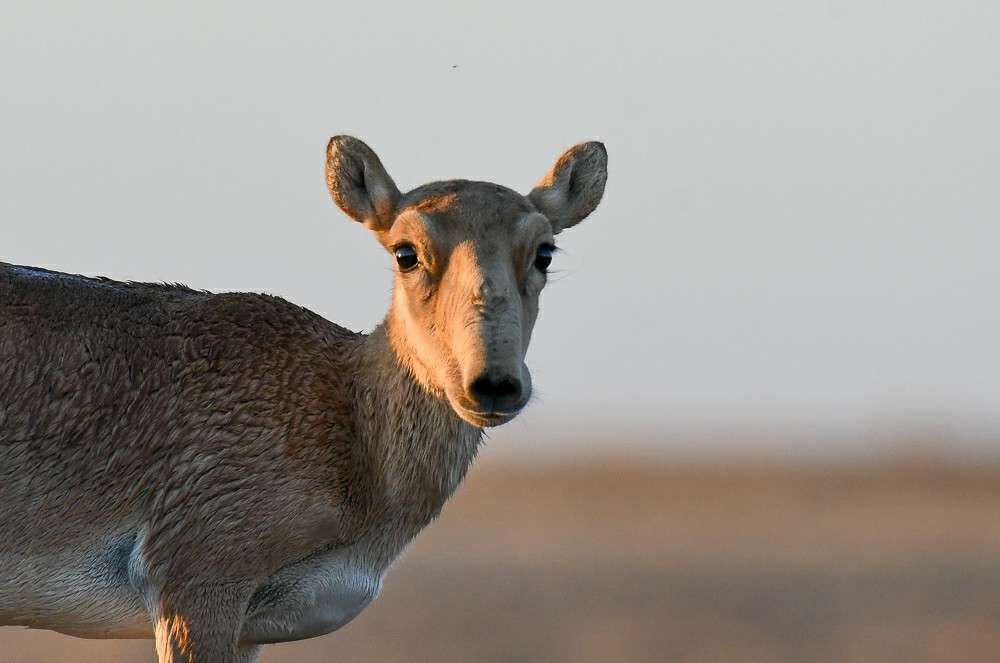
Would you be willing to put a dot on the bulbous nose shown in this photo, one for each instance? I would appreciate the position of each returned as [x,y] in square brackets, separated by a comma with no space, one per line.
[495,392]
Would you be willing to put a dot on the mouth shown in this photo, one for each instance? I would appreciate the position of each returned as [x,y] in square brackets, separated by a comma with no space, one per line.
[485,419]
[490,413]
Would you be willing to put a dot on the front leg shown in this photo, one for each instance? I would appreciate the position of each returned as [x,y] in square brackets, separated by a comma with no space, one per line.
[202,626]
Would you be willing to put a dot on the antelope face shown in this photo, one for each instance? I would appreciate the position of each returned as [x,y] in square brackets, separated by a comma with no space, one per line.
[471,259]
[470,263]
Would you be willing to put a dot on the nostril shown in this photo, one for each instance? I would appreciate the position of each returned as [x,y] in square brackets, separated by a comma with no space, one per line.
[508,387]
[482,387]
[497,392]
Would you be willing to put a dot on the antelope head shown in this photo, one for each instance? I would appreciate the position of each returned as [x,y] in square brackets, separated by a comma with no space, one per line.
[471,259]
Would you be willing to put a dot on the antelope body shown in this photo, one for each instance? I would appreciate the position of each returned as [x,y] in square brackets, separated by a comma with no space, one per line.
[220,471]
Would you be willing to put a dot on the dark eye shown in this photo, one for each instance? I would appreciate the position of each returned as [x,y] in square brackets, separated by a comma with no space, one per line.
[544,257]
[406,257]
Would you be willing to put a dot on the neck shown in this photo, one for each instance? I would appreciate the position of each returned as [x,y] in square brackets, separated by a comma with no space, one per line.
[418,447]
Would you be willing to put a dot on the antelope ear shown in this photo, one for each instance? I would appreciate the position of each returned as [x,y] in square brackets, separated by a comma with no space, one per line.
[359,184]
[573,187]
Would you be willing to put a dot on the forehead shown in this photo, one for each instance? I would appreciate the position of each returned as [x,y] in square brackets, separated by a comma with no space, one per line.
[447,214]
[475,205]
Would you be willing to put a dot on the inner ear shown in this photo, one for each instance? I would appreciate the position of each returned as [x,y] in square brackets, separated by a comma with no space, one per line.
[359,183]
[574,186]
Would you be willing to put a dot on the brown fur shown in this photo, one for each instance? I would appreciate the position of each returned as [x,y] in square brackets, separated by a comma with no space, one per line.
[169,458]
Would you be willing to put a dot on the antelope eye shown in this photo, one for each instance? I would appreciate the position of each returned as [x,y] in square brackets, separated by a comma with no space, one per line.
[406,257]
[543,258]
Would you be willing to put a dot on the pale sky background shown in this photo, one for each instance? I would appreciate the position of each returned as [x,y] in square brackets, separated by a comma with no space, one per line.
[797,249]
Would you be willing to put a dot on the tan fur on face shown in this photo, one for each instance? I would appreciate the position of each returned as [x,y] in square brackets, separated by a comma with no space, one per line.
[463,317]
[470,305]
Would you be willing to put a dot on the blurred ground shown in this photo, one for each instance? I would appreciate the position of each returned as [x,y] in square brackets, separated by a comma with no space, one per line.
[683,561]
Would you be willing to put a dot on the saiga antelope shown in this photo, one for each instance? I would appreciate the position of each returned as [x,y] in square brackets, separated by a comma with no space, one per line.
[221,471]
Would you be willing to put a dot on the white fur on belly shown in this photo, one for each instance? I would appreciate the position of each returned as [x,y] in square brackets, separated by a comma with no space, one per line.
[311,598]
[106,597]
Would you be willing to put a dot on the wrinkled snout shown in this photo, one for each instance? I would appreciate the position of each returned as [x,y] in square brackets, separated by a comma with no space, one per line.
[495,383]
[490,340]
